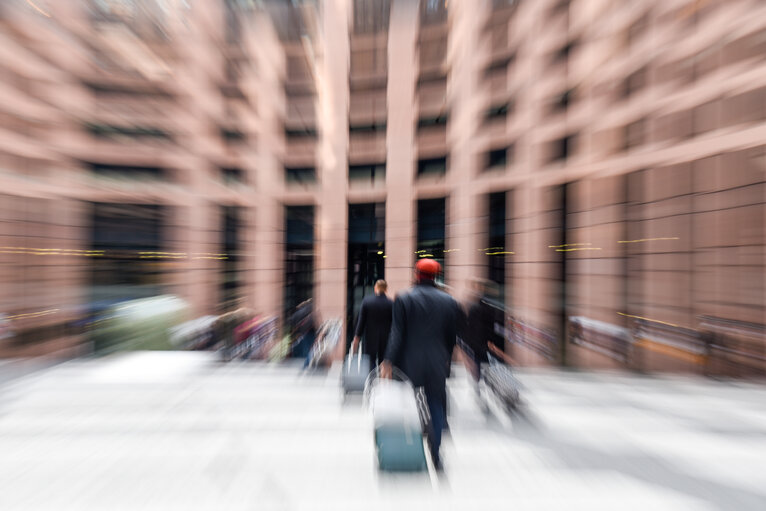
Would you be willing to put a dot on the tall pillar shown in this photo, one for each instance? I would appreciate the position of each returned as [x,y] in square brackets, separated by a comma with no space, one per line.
[466,223]
[400,151]
[268,180]
[332,211]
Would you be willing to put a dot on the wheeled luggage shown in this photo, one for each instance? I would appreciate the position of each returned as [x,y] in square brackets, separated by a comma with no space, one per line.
[327,339]
[355,372]
[398,424]
[504,386]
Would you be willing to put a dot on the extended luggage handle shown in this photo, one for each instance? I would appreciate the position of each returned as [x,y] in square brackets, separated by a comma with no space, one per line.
[358,359]
[420,397]
[396,373]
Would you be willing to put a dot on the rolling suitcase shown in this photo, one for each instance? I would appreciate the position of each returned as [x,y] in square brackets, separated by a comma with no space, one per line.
[503,385]
[398,424]
[355,372]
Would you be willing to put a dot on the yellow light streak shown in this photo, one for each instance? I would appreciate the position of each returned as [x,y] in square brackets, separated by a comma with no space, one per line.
[648,239]
[569,245]
[646,319]
[34,314]
[576,249]
[35,7]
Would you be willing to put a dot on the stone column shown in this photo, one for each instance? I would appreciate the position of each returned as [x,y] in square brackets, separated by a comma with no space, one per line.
[400,151]
[466,221]
[332,211]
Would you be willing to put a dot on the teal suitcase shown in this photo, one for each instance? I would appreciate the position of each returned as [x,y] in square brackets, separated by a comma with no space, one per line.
[400,450]
[398,425]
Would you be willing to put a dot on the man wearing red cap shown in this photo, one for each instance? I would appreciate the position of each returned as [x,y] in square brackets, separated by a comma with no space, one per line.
[423,332]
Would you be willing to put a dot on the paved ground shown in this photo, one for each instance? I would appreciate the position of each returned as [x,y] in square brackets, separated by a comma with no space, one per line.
[167,431]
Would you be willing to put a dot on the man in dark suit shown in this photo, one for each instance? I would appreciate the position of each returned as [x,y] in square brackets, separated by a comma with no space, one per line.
[374,323]
[484,313]
[423,333]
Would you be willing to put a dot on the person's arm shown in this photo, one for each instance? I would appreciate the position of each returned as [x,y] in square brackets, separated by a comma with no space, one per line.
[360,324]
[395,339]
[501,354]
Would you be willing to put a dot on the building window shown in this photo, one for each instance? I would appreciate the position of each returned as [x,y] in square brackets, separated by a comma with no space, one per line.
[367,223]
[433,12]
[432,122]
[303,175]
[126,171]
[373,172]
[115,132]
[232,278]
[232,175]
[497,112]
[301,133]
[131,237]
[496,251]
[498,66]
[431,229]
[299,256]
[232,135]
[366,261]
[433,166]
[497,158]
[562,102]
[379,127]
[561,149]
[563,54]
[371,16]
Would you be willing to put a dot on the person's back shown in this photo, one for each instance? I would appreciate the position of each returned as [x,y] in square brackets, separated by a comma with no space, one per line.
[426,335]
[423,334]
[374,323]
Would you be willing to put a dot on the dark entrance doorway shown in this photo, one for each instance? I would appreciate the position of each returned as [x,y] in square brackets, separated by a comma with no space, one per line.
[366,257]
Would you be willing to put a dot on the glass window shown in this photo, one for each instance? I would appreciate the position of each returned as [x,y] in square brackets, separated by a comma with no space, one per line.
[496,158]
[432,166]
[373,172]
[371,16]
[431,229]
[300,174]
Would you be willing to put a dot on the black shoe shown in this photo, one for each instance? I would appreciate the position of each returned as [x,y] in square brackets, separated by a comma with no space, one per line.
[438,465]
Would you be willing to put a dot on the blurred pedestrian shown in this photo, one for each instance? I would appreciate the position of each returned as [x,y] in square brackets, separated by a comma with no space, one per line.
[423,332]
[481,330]
[304,327]
[374,324]
[224,328]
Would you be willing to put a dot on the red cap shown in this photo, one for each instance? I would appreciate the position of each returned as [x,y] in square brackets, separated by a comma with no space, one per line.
[428,267]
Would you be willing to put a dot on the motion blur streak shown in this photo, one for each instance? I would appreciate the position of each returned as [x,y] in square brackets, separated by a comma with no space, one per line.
[231,177]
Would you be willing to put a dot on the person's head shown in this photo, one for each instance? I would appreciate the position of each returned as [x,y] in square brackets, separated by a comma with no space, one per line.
[426,270]
[381,287]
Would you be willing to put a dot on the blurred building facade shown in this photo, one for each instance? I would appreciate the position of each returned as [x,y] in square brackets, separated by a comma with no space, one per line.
[601,161]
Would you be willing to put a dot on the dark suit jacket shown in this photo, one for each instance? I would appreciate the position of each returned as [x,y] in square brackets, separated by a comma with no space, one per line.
[480,328]
[374,324]
[425,324]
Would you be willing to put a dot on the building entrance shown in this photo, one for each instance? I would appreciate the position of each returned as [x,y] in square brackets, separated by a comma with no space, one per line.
[366,257]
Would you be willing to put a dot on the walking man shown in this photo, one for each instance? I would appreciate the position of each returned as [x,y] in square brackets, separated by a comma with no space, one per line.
[374,324]
[423,332]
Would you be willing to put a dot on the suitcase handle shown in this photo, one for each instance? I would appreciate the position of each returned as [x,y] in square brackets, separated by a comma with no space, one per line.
[396,373]
[358,359]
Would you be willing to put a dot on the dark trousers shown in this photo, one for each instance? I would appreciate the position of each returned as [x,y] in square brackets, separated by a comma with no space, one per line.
[437,406]
[376,353]
[478,357]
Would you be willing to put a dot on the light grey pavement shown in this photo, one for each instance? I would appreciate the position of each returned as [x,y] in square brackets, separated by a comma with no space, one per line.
[178,431]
